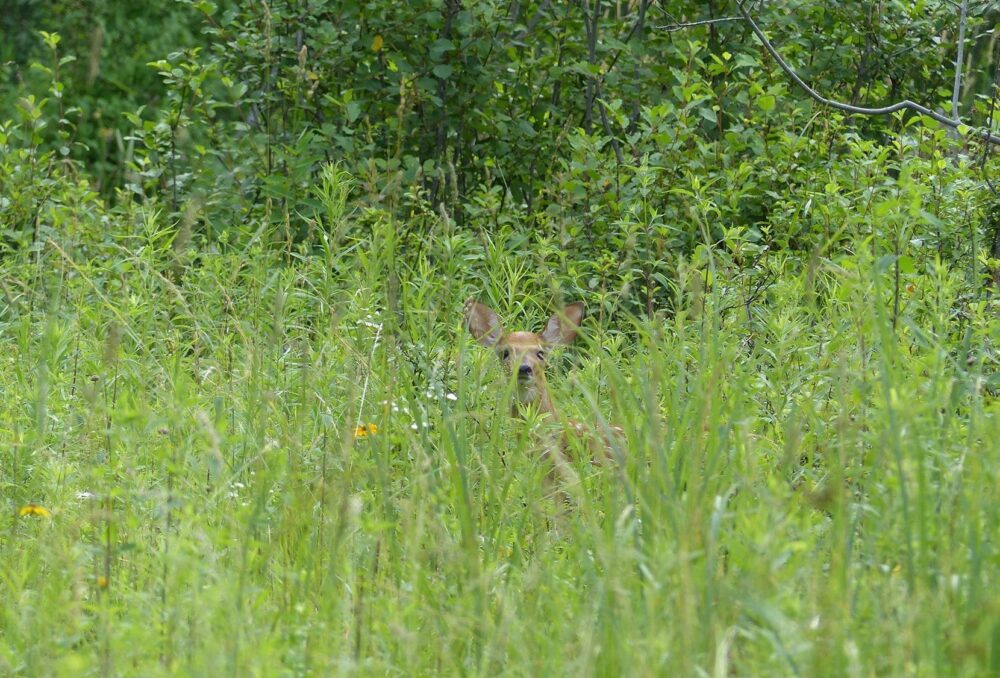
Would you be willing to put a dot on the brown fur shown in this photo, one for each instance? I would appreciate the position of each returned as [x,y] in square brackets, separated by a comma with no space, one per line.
[525,353]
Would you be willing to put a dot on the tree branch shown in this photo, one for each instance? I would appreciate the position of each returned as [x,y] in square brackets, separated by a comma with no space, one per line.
[995,85]
[985,135]
[959,60]
[693,24]
[590,24]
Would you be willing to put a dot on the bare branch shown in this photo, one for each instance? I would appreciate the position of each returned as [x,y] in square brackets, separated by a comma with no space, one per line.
[693,24]
[590,25]
[959,60]
[986,135]
[995,86]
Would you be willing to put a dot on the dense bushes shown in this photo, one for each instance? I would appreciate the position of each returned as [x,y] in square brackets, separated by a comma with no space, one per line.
[600,126]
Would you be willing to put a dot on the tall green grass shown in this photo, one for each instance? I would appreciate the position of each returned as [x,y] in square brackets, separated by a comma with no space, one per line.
[808,486]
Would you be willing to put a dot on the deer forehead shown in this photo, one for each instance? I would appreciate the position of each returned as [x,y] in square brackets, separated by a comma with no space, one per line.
[522,341]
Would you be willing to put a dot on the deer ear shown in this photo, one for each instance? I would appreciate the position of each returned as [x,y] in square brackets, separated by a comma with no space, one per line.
[483,323]
[563,327]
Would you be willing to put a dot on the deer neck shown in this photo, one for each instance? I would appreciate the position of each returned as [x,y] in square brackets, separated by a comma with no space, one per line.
[536,395]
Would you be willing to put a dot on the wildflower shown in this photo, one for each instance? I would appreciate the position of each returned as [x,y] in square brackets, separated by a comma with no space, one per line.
[34,510]
[365,430]
[451,396]
[102,582]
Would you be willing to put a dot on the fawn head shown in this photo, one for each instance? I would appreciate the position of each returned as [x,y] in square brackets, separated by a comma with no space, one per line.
[523,353]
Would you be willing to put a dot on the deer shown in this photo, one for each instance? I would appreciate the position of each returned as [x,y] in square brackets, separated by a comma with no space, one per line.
[524,354]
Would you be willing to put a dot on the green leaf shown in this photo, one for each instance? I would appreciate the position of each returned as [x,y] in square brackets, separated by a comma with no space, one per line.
[441,46]
[443,71]
[885,262]
[352,111]
[766,102]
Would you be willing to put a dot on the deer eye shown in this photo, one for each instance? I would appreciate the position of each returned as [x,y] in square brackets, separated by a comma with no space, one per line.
[541,355]
[505,354]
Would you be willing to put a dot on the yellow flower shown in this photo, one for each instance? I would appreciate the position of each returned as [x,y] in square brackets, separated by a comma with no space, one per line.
[34,510]
[102,582]
[377,43]
[365,431]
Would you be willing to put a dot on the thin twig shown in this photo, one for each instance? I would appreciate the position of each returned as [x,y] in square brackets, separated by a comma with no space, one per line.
[986,135]
[590,24]
[694,24]
[959,59]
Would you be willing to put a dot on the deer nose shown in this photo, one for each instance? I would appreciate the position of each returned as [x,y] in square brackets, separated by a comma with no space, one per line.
[524,371]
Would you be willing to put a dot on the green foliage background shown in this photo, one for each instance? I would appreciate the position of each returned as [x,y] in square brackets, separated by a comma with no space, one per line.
[231,233]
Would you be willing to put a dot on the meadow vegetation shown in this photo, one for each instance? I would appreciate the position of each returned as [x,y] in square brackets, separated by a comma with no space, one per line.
[243,430]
